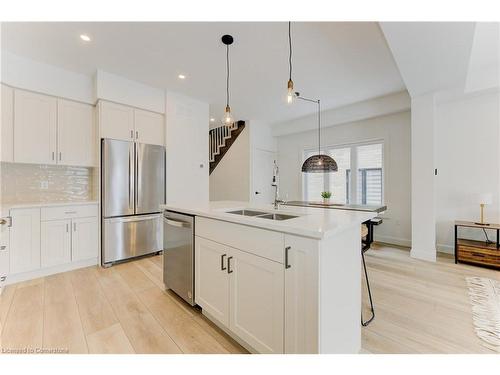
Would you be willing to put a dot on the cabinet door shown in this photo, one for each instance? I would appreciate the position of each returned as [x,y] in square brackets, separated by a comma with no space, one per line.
[256,301]
[7,124]
[116,121]
[211,278]
[55,242]
[35,128]
[84,242]
[149,127]
[76,138]
[4,250]
[301,295]
[25,240]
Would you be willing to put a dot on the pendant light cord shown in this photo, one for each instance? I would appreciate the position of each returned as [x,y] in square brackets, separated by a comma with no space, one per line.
[290,48]
[319,127]
[227,77]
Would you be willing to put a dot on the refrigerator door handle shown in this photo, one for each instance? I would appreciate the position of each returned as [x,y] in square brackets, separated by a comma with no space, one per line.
[130,179]
[137,176]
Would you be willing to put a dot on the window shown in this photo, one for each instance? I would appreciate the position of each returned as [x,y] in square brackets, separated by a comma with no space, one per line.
[366,187]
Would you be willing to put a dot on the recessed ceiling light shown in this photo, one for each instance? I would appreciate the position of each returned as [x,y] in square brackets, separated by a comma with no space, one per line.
[181,76]
[85,37]
[212,119]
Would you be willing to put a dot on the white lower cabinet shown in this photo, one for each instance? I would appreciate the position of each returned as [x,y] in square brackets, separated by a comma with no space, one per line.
[51,239]
[212,282]
[84,238]
[24,240]
[243,291]
[4,248]
[55,242]
[256,301]
[301,295]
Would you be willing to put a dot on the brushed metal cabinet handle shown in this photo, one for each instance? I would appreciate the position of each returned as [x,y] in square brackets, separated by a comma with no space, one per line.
[287,249]
[136,134]
[222,268]
[67,228]
[229,270]
[132,134]
[60,155]
[70,212]
[52,155]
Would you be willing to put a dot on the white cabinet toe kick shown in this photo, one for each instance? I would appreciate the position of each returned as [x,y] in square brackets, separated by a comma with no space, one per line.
[280,293]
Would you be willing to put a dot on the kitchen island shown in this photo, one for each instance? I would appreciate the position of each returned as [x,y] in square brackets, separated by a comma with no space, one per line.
[279,281]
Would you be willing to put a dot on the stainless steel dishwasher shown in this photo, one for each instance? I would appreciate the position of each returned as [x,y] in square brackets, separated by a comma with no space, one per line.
[178,254]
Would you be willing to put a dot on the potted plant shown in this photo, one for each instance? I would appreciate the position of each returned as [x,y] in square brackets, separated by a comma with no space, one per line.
[326,196]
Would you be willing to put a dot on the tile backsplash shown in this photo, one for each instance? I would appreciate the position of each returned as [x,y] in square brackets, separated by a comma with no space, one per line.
[30,183]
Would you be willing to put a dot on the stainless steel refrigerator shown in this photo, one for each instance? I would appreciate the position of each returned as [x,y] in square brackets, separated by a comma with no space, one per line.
[133,187]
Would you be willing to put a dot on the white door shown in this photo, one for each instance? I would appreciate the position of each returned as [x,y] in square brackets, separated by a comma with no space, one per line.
[84,242]
[35,128]
[262,176]
[301,295]
[149,127]
[116,121]
[7,124]
[55,242]
[24,240]
[256,301]
[211,279]
[76,138]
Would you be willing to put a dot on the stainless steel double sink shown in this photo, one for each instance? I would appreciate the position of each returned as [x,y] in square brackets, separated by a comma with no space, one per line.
[262,215]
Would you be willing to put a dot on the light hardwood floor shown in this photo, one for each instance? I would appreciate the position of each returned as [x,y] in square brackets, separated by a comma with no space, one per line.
[420,307]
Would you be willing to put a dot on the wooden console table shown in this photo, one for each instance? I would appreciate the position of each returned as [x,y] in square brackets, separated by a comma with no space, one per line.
[475,252]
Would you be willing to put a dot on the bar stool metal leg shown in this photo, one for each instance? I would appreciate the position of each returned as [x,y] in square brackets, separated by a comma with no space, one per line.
[365,323]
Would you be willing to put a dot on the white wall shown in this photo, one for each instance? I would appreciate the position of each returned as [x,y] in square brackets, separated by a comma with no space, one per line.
[32,75]
[230,180]
[187,149]
[122,90]
[394,130]
[468,158]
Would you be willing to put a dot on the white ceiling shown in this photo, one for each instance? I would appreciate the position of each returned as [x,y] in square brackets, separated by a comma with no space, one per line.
[338,62]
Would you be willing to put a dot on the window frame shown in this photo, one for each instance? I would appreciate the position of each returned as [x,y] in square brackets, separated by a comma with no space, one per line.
[351,194]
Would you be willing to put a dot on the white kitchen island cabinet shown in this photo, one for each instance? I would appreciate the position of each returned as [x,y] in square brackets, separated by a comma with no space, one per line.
[290,286]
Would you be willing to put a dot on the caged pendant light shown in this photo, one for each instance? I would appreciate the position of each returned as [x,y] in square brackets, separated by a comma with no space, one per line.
[318,163]
[227,119]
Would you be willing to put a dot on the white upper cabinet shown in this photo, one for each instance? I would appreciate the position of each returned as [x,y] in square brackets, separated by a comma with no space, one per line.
[116,121]
[149,127]
[76,138]
[125,123]
[35,128]
[7,124]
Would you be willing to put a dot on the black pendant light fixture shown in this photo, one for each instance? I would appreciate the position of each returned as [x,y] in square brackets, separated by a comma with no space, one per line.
[227,119]
[318,163]
[290,96]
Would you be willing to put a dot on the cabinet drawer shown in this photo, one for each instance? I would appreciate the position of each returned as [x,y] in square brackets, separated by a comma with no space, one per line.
[261,242]
[478,255]
[68,212]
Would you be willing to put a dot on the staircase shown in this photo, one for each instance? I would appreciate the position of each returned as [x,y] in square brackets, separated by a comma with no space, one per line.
[221,139]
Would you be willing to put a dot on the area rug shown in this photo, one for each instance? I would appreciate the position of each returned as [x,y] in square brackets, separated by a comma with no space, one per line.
[484,296]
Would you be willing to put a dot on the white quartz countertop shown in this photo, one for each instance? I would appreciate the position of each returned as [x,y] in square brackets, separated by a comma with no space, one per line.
[311,222]
[7,206]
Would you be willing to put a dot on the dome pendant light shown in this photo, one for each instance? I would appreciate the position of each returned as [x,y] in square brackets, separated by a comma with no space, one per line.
[290,96]
[227,119]
[318,163]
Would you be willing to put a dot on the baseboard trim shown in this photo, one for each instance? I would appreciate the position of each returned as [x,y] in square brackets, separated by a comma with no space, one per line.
[25,276]
[392,240]
[446,249]
[426,255]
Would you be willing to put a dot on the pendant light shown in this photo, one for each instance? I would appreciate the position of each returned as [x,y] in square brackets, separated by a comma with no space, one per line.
[290,96]
[318,163]
[227,119]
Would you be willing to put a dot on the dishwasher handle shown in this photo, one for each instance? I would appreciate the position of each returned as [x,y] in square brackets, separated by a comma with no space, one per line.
[177,223]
